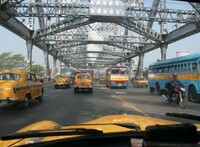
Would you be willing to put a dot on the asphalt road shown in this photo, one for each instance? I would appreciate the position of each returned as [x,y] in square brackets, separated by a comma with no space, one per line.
[65,107]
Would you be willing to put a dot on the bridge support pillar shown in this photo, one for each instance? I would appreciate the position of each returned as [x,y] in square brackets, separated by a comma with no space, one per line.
[139,72]
[47,69]
[54,66]
[129,61]
[163,51]
[29,47]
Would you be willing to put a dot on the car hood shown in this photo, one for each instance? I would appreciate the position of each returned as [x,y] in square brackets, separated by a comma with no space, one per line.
[107,124]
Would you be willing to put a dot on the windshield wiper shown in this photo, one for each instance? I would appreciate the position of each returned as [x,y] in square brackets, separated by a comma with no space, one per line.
[130,126]
[58,132]
[184,115]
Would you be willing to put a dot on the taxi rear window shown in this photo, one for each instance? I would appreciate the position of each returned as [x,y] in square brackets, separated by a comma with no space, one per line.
[61,77]
[9,76]
[83,77]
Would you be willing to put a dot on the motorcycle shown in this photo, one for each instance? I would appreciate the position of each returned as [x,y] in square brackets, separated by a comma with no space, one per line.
[178,95]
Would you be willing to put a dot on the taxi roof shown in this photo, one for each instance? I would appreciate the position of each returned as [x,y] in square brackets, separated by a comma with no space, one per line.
[19,71]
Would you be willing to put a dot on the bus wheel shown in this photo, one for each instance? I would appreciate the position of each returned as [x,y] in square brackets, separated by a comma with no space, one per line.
[157,89]
[192,94]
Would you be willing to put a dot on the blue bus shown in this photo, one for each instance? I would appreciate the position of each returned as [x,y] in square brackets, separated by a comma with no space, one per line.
[187,68]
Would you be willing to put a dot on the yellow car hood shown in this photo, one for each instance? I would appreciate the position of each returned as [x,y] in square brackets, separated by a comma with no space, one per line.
[105,124]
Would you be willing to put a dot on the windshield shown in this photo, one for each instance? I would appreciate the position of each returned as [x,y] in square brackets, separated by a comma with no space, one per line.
[83,77]
[60,77]
[119,57]
[9,76]
[122,71]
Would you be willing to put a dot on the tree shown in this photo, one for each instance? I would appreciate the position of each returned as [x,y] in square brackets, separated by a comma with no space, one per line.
[9,61]
[17,61]
[38,70]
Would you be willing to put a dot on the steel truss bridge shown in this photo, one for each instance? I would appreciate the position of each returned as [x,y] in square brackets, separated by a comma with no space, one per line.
[98,33]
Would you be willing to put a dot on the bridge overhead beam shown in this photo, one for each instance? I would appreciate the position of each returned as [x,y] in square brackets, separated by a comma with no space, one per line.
[66,24]
[182,32]
[66,44]
[140,28]
[140,13]
[124,42]
[16,27]
[98,58]
[196,6]
[153,12]
[112,53]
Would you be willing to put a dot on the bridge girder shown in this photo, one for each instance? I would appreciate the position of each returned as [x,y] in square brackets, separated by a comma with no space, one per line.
[70,18]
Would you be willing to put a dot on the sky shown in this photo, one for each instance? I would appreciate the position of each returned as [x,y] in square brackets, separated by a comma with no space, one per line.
[12,43]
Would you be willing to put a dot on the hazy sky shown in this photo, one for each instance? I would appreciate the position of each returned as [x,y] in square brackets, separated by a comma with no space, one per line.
[12,43]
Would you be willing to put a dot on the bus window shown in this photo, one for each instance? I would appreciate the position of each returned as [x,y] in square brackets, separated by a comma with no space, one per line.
[162,69]
[199,64]
[181,67]
[189,66]
[168,69]
[178,69]
[172,68]
[194,66]
[185,67]
[123,71]
[157,70]
[115,71]
[175,68]
[165,68]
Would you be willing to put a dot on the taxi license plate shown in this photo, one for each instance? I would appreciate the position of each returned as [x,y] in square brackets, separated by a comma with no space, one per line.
[119,84]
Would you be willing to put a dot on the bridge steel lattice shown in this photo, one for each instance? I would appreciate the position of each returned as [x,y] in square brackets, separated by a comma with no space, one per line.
[98,33]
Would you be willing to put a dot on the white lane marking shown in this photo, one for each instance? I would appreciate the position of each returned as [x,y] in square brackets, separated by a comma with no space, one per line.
[118,92]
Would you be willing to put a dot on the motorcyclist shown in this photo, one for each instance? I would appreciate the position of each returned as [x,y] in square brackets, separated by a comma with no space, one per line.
[174,82]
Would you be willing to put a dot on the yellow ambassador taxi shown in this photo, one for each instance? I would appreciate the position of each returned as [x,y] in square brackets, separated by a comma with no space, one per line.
[20,86]
[140,82]
[61,80]
[83,81]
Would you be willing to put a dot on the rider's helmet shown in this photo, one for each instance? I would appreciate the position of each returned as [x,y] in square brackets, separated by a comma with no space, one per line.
[174,75]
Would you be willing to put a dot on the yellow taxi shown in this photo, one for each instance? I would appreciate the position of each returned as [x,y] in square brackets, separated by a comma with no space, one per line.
[20,86]
[83,81]
[140,82]
[102,79]
[61,80]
